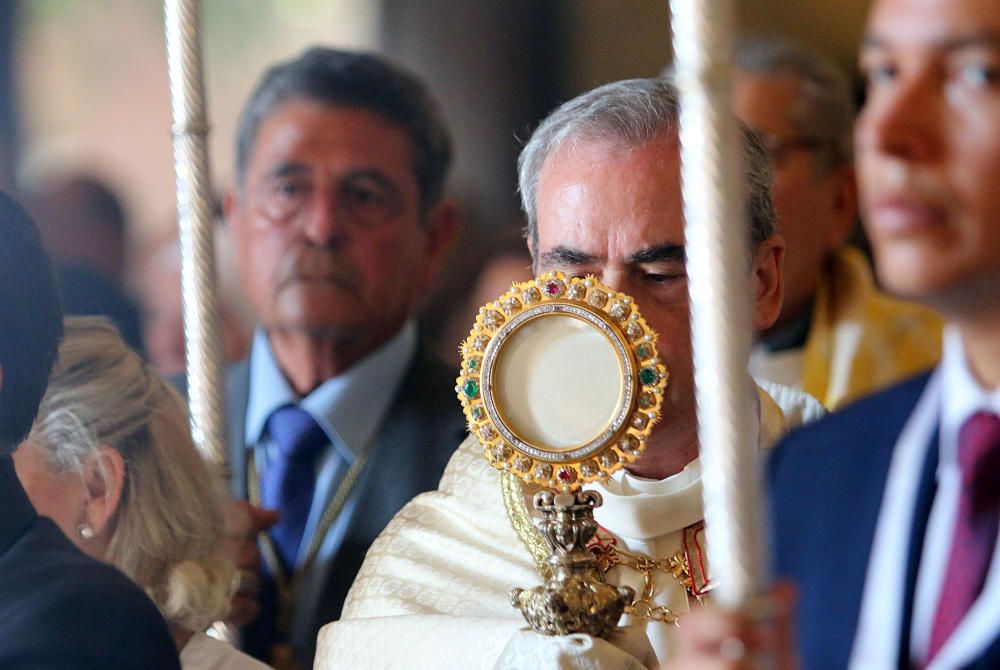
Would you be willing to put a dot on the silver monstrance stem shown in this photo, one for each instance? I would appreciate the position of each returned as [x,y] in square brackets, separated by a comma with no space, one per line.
[571,600]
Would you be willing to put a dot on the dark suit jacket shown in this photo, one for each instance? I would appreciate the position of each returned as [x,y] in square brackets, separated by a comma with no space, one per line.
[62,610]
[826,485]
[422,429]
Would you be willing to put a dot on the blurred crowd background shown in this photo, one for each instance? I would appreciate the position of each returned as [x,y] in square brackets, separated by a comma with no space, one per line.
[85,143]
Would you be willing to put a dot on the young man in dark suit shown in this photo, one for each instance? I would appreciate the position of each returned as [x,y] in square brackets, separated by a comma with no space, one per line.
[58,608]
[341,414]
[885,514]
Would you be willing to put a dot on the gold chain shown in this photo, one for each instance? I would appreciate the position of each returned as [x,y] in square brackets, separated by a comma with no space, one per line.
[610,555]
[280,653]
[329,514]
[286,584]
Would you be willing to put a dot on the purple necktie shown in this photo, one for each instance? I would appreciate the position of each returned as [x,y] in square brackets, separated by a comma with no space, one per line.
[975,525]
[290,478]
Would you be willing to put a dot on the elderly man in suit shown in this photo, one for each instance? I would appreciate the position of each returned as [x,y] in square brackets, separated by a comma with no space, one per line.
[885,515]
[58,608]
[340,415]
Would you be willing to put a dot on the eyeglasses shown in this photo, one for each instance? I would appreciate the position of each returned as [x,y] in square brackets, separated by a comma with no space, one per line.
[365,199]
[779,149]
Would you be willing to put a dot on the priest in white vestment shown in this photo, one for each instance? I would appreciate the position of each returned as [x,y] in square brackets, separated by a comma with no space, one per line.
[600,184]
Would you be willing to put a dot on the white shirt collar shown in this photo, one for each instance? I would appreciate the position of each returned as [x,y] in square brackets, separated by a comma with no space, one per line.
[640,509]
[965,395]
[354,402]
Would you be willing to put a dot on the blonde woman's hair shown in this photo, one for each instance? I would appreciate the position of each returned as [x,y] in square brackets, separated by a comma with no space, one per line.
[169,522]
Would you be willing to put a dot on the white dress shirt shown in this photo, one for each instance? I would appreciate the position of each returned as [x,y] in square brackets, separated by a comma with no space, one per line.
[349,407]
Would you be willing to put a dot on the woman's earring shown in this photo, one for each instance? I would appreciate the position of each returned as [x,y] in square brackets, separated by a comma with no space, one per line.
[85,530]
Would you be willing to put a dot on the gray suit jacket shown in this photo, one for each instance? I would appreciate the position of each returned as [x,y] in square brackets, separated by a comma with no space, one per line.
[423,427]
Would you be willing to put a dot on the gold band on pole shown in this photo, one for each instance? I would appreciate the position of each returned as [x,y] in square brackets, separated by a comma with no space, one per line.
[718,272]
[194,211]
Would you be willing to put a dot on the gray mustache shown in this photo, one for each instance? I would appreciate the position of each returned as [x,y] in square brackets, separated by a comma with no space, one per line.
[316,265]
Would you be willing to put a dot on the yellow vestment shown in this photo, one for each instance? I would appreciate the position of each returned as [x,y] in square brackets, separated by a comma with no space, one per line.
[860,339]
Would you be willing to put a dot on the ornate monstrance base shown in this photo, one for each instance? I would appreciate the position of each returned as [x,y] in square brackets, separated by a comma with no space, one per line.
[574,599]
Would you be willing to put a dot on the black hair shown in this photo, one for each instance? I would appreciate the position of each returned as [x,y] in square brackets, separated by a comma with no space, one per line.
[30,322]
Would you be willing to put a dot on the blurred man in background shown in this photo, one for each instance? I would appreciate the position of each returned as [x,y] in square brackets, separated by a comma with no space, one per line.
[84,227]
[839,336]
[159,285]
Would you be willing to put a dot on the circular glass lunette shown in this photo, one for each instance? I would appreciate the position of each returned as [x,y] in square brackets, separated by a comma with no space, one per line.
[558,382]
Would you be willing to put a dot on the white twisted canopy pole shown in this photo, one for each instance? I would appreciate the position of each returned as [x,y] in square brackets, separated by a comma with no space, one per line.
[194,212]
[716,240]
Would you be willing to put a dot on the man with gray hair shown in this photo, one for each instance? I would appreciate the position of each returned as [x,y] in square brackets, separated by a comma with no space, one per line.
[341,414]
[600,185]
[838,336]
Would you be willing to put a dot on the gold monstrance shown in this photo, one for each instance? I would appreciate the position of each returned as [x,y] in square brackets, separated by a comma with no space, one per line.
[561,383]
